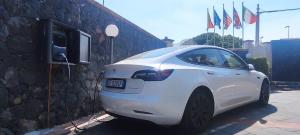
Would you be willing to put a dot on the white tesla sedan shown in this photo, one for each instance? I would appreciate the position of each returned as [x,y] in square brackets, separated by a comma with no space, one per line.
[186,85]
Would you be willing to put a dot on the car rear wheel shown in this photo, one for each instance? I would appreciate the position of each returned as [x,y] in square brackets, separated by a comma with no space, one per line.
[198,112]
[264,94]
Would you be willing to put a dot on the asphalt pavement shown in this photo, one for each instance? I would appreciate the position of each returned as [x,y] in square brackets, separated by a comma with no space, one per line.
[280,117]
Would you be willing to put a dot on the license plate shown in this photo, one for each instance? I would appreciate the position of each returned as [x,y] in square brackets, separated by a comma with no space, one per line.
[116,83]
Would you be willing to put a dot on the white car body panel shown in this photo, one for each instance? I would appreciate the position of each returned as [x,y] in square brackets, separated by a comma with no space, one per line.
[163,102]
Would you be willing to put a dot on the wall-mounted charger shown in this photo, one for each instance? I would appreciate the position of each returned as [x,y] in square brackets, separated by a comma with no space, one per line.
[57,38]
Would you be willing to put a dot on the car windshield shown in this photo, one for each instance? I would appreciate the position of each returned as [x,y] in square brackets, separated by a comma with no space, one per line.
[155,53]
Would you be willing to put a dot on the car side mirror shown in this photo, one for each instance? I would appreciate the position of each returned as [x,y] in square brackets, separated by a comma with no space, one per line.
[251,67]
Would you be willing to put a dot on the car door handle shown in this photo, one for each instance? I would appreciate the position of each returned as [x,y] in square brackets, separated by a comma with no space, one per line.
[237,74]
[210,73]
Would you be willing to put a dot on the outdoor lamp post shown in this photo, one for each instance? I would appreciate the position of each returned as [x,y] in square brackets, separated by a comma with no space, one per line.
[288,29]
[111,31]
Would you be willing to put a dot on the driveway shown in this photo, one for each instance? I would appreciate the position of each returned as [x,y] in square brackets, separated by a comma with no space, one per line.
[280,117]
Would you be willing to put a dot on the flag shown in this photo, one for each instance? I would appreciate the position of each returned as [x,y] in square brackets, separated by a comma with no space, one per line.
[209,22]
[226,20]
[217,20]
[248,16]
[236,20]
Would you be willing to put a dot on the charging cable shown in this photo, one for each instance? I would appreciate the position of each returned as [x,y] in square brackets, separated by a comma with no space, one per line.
[98,80]
[96,88]
[93,102]
[66,93]
[49,94]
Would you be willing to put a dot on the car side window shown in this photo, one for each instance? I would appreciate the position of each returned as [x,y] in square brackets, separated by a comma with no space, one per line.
[231,60]
[209,57]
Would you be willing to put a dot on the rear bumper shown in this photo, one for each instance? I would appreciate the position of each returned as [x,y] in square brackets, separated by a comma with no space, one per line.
[150,108]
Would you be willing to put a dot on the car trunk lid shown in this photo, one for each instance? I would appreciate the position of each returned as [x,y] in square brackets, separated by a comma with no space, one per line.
[124,71]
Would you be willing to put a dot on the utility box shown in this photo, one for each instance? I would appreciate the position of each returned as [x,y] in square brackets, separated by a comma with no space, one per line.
[82,42]
[286,60]
[60,41]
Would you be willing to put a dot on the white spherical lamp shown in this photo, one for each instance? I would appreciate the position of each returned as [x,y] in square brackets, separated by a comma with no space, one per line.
[112,30]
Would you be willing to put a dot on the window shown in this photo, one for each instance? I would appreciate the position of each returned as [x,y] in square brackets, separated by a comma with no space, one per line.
[231,60]
[208,57]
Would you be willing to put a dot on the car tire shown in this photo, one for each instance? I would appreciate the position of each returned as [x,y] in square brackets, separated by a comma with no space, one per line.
[264,94]
[198,112]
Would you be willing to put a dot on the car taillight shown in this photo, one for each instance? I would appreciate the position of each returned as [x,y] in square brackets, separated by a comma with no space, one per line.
[152,75]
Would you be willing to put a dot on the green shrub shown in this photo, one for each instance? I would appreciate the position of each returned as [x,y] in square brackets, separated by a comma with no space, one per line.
[260,64]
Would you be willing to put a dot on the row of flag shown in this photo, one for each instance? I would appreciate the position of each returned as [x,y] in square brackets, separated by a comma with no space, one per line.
[247,16]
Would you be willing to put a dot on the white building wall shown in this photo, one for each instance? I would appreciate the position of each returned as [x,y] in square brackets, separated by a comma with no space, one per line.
[261,51]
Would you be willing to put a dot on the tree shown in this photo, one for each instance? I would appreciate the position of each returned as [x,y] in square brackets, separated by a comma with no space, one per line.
[227,40]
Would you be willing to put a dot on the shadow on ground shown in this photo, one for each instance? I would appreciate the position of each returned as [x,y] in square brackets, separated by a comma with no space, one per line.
[239,119]
[230,122]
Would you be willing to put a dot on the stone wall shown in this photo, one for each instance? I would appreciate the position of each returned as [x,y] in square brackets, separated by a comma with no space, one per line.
[24,78]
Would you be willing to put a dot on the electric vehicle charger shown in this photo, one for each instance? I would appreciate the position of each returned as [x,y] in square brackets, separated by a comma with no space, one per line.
[99,78]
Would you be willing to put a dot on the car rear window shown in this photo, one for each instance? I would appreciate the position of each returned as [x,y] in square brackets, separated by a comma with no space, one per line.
[155,53]
[209,57]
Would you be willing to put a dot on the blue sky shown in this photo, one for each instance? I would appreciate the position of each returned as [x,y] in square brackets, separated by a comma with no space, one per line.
[182,19]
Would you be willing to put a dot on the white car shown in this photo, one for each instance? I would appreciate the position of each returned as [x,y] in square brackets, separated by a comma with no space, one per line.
[186,85]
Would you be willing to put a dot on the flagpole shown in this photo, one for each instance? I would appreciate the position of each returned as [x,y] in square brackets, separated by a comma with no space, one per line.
[242,23]
[257,26]
[214,35]
[207,27]
[207,36]
[223,28]
[214,28]
[233,38]
[233,29]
